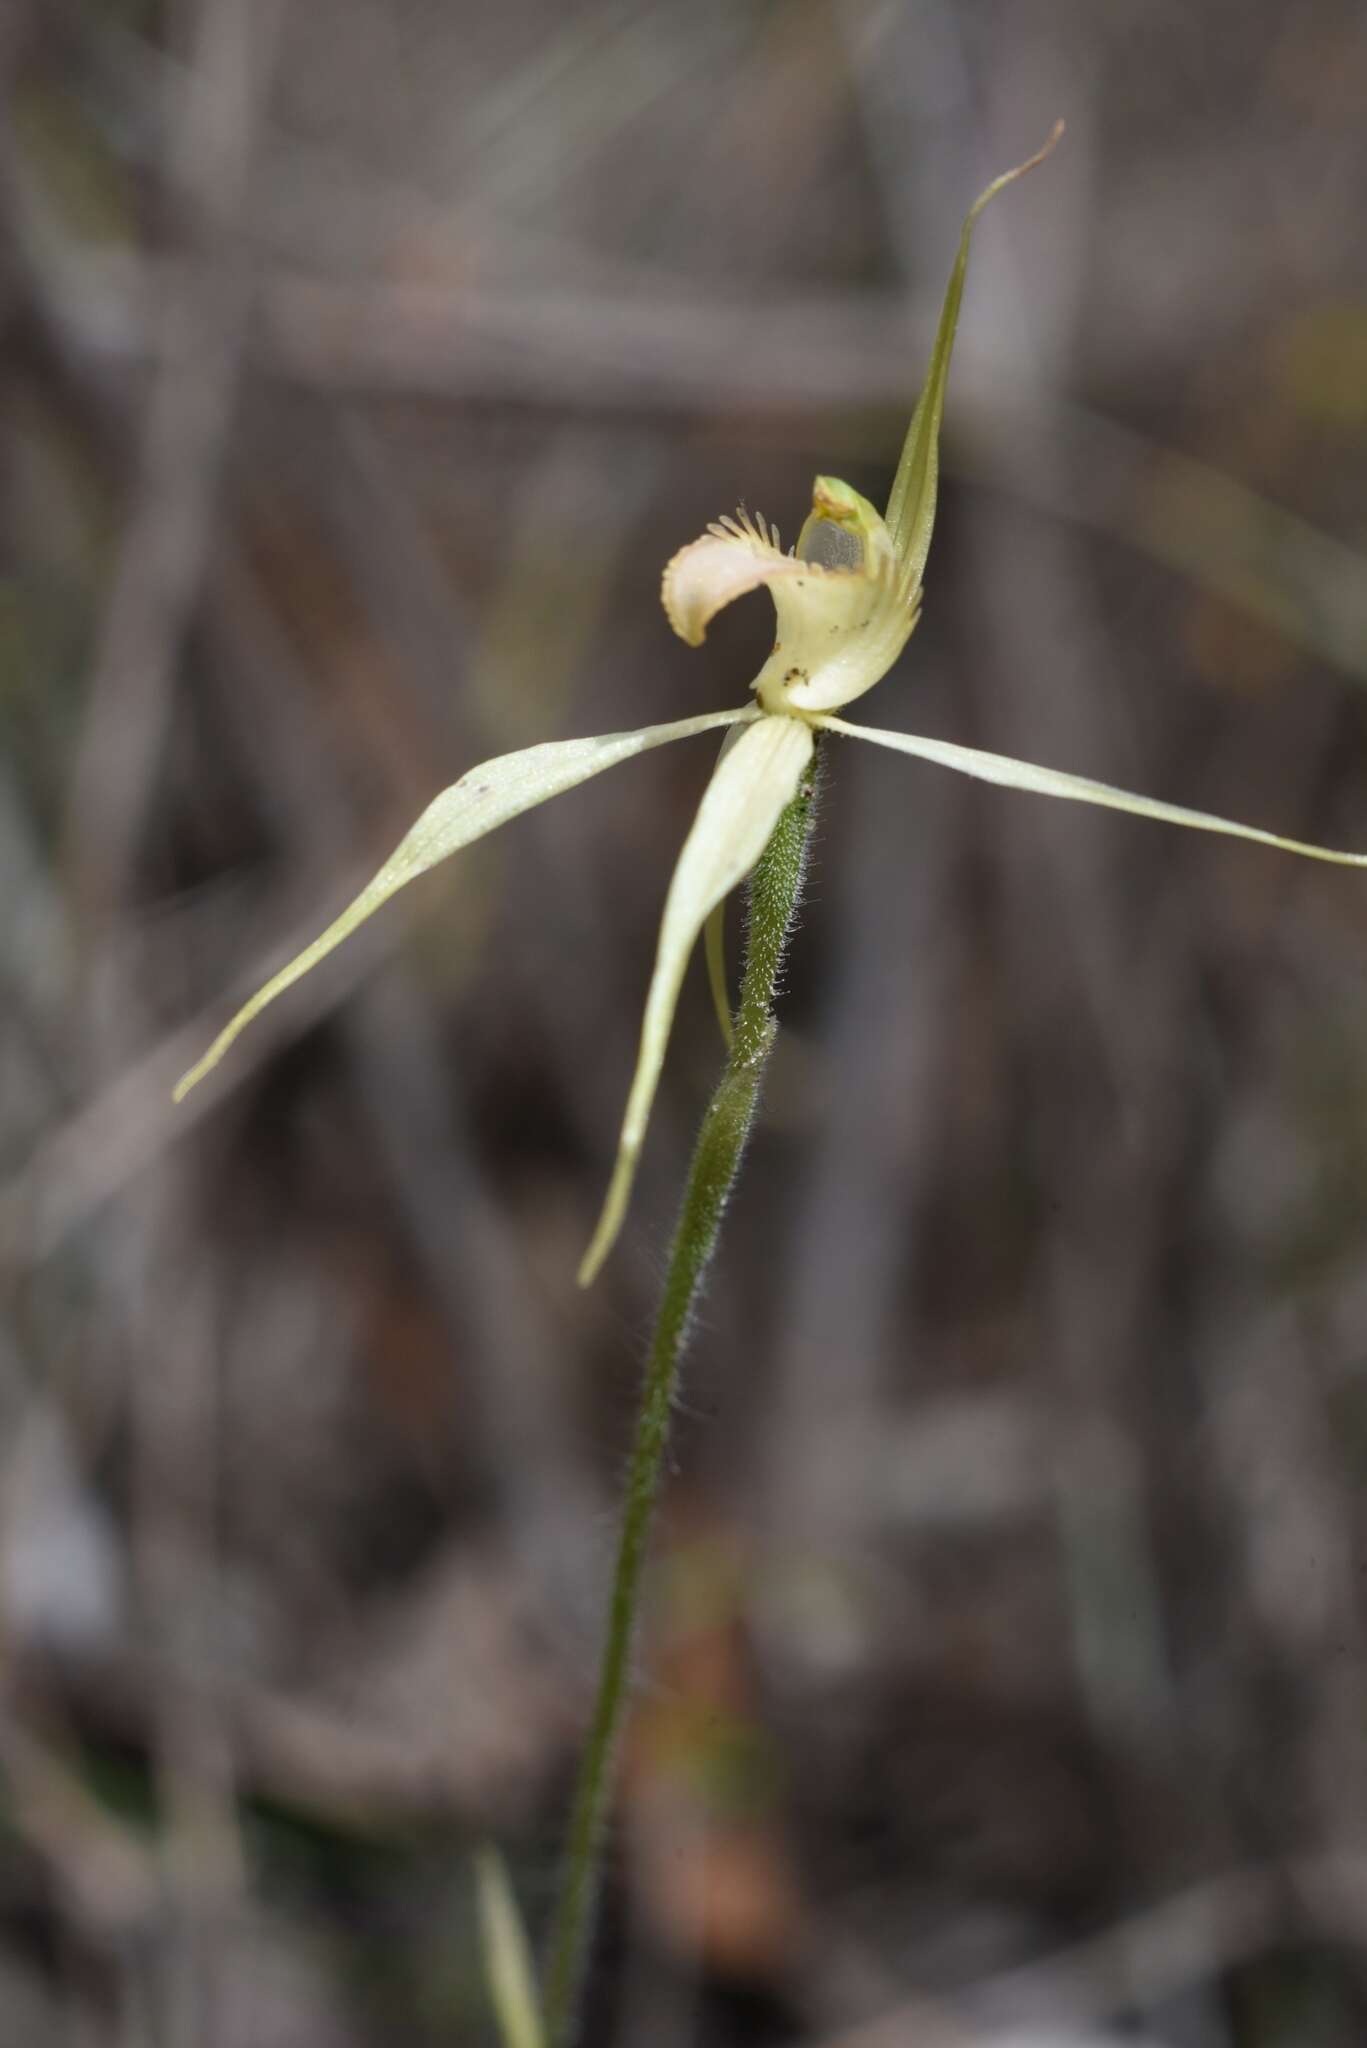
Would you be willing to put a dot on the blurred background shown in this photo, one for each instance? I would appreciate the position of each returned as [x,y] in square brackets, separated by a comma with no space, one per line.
[1006,1671]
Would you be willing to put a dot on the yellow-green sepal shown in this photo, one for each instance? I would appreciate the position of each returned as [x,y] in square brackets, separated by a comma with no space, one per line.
[911,507]
[484,798]
[1009,773]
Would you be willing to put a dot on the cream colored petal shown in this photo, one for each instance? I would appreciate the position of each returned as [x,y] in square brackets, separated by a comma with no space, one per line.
[749,788]
[1013,774]
[483,799]
[731,558]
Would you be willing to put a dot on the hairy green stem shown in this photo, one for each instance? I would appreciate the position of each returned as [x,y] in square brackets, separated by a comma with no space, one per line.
[775,890]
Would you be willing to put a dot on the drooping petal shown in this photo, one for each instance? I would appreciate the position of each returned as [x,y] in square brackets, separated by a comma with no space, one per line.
[911,508]
[714,936]
[714,946]
[741,805]
[1013,774]
[508,1966]
[486,797]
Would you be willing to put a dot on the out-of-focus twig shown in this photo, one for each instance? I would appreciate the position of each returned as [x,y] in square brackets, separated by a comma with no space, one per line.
[1154,1956]
[106,1874]
[120,1131]
[196,333]
[1081,466]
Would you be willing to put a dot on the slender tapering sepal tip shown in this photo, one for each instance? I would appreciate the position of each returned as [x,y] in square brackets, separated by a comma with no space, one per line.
[483,799]
[911,507]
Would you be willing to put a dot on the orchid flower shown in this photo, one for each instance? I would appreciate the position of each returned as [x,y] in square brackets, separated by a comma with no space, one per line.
[847,598]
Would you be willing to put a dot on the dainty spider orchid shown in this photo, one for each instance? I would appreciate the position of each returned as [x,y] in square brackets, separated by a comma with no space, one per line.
[847,598]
